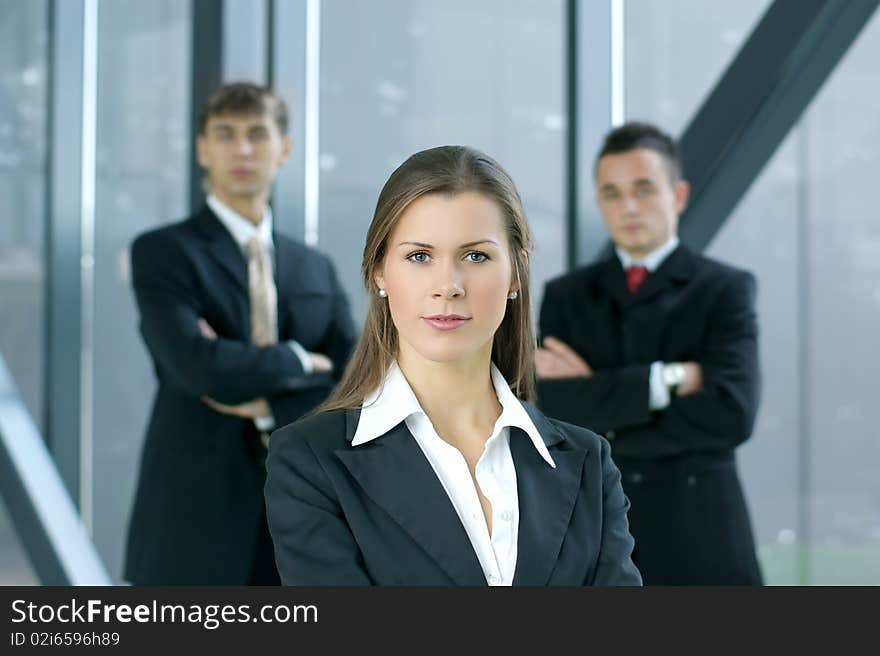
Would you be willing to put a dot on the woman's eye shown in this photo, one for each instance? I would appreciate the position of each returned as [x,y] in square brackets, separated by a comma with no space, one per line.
[476,256]
[419,257]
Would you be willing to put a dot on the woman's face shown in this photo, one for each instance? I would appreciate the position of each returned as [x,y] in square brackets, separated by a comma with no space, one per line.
[447,272]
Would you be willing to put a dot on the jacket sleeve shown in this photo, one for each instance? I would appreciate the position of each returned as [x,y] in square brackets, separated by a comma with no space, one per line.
[615,554]
[337,345]
[609,399]
[341,337]
[313,543]
[722,414]
[228,371]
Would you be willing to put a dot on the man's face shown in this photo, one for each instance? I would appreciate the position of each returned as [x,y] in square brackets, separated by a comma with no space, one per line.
[241,154]
[638,199]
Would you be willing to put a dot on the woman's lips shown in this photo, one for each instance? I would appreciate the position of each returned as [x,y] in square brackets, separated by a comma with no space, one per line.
[445,323]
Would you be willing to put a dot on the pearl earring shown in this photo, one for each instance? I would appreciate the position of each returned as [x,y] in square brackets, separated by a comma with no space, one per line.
[382,293]
[512,295]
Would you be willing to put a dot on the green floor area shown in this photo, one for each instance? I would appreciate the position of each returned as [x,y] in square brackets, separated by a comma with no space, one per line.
[824,565]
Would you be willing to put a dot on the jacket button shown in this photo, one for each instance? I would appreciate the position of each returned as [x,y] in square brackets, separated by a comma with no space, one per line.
[610,435]
[636,477]
[692,480]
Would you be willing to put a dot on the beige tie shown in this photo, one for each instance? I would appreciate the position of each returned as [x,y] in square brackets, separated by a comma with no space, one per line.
[264,301]
[263,295]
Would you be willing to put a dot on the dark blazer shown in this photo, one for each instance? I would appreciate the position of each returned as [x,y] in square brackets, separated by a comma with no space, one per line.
[199,501]
[688,517]
[377,514]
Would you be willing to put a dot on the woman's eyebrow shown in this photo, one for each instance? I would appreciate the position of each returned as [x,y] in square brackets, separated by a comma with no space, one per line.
[467,245]
[479,241]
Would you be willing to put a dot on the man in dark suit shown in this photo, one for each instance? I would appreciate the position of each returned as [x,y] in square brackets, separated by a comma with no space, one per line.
[248,330]
[657,348]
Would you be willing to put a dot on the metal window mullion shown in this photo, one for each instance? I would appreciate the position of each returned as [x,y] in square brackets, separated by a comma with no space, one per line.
[245,35]
[294,62]
[67,180]
[206,73]
[312,121]
[87,260]
[595,101]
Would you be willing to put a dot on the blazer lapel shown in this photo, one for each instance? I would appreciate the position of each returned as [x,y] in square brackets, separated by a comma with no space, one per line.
[222,247]
[546,498]
[612,279]
[676,268]
[395,474]
[285,269]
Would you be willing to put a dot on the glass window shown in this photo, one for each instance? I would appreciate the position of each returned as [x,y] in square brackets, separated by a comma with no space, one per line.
[23,122]
[400,77]
[759,236]
[809,230]
[664,81]
[143,146]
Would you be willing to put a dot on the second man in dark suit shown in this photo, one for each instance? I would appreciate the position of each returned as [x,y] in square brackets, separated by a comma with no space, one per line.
[248,330]
[657,348]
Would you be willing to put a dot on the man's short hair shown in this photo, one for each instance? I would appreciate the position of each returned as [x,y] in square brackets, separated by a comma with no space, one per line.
[244,98]
[634,134]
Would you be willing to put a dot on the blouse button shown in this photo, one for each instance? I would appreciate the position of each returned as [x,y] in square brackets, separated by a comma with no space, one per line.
[507,515]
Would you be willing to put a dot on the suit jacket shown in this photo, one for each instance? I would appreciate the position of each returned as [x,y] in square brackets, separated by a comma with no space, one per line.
[690,309]
[377,514]
[689,517]
[199,499]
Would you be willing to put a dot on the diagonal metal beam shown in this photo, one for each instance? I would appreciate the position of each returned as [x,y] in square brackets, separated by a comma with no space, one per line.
[789,55]
[42,511]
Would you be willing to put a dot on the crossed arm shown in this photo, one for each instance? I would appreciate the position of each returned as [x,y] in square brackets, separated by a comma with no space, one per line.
[233,376]
[714,408]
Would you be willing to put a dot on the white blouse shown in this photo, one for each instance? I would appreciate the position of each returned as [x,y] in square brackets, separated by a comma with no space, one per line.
[395,401]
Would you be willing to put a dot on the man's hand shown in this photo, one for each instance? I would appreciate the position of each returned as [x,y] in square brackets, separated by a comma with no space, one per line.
[206,330]
[558,360]
[320,363]
[248,410]
[693,379]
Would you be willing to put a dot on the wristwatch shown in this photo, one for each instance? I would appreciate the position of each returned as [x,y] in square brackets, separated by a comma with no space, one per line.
[673,376]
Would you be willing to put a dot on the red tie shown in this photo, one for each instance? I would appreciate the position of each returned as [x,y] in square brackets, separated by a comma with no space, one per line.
[635,276]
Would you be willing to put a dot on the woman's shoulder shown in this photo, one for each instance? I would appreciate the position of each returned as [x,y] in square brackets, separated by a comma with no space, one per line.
[578,436]
[320,431]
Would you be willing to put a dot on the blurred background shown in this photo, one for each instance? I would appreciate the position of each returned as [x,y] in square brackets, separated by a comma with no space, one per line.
[96,128]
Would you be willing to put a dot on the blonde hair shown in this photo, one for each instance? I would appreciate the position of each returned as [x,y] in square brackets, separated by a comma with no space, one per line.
[444,170]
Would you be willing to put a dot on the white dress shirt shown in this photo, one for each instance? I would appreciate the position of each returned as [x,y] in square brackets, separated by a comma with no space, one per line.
[395,401]
[658,392]
[242,232]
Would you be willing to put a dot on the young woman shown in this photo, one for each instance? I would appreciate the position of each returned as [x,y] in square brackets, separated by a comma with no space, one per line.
[428,466]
